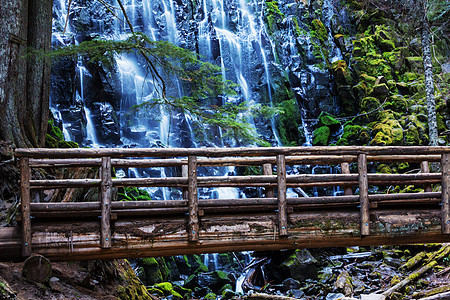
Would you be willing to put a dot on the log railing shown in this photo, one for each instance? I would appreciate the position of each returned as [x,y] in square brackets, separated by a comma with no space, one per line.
[270,159]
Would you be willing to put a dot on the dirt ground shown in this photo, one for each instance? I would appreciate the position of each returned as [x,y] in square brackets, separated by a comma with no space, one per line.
[69,280]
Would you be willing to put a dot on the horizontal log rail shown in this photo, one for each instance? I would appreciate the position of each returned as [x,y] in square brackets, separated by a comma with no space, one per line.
[208,221]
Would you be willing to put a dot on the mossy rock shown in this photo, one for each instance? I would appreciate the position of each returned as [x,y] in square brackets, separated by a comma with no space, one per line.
[321,136]
[301,265]
[360,90]
[325,119]
[397,103]
[287,123]
[167,289]
[384,38]
[384,169]
[320,30]
[67,144]
[151,271]
[389,132]
[351,135]
[412,136]
[380,91]
[369,104]
[395,59]
[186,293]
[210,296]
[376,65]
[341,72]
[414,64]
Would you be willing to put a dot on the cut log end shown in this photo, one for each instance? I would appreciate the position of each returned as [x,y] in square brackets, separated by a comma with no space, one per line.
[37,268]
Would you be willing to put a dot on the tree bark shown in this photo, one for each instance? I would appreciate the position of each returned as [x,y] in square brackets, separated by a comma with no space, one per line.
[429,81]
[24,83]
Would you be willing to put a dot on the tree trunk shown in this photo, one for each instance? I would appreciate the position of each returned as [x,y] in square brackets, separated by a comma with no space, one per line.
[13,35]
[429,81]
[24,83]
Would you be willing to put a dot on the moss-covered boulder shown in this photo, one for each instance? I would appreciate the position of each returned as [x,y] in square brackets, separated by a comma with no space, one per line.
[321,136]
[301,265]
[341,73]
[151,270]
[414,64]
[165,289]
[325,119]
[380,91]
[388,132]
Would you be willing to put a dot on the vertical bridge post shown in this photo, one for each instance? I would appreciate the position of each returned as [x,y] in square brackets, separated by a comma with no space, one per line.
[193,225]
[267,170]
[106,194]
[425,168]
[363,194]
[445,209]
[282,206]
[345,168]
[25,174]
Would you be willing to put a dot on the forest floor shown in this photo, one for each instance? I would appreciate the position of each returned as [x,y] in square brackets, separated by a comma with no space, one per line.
[69,280]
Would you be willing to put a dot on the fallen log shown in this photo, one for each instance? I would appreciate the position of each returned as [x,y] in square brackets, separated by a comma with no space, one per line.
[262,296]
[413,276]
[442,296]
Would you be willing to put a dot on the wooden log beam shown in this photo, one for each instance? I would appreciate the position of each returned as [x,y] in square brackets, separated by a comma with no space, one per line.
[445,165]
[25,174]
[218,152]
[156,235]
[282,205]
[203,203]
[229,161]
[193,225]
[363,194]
[106,195]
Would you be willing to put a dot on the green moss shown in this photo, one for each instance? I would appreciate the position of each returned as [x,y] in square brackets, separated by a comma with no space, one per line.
[287,123]
[389,132]
[320,31]
[440,122]
[132,289]
[210,296]
[409,76]
[321,136]
[412,136]
[360,90]
[397,103]
[50,142]
[414,64]
[384,169]
[273,15]
[325,119]
[369,104]
[167,289]
[133,194]
[341,72]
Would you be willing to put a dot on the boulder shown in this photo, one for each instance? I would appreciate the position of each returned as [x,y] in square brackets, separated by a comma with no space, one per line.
[299,266]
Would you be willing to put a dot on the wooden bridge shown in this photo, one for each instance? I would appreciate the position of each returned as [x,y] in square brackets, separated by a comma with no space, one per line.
[112,229]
